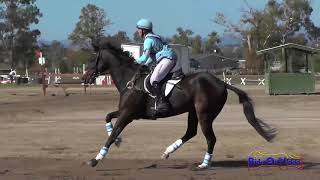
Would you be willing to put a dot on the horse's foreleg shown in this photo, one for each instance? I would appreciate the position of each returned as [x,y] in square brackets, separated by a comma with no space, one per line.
[109,126]
[112,115]
[120,124]
[190,133]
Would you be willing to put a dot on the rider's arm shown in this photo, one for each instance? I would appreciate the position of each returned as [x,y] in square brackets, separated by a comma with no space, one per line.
[145,57]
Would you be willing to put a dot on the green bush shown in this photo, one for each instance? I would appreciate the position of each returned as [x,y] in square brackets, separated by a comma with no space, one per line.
[316,62]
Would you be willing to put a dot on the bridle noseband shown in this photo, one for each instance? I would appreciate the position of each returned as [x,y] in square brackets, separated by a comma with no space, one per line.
[96,71]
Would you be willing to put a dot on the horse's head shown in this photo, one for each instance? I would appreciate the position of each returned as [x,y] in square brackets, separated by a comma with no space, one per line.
[92,72]
[102,60]
[94,69]
[109,56]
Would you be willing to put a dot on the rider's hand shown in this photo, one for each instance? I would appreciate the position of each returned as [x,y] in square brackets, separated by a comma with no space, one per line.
[143,68]
[136,63]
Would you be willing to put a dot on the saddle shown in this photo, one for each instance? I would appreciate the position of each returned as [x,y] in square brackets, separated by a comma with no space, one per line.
[167,84]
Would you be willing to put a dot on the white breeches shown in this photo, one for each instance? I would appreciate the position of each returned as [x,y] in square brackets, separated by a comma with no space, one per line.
[162,69]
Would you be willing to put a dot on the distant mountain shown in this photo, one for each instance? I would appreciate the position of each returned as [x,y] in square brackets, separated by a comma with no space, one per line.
[227,40]
[41,41]
[66,43]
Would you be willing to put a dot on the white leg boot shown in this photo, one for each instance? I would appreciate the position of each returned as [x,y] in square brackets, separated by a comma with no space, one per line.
[109,128]
[172,148]
[102,153]
[206,161]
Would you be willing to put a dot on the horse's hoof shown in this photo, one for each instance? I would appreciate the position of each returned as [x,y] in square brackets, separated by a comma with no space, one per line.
[118,141]
[92,162]
[203,166]
[165,156]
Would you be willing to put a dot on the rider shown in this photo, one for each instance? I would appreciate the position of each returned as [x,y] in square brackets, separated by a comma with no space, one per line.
[155,50]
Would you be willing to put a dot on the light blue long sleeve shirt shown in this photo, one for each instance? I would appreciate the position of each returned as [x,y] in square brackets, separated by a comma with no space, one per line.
[145,58]
[154,49]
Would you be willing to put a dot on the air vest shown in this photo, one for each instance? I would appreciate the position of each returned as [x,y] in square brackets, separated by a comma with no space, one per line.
[160,49]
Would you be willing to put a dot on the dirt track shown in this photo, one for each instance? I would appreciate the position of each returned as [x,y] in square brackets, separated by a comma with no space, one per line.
[50,138]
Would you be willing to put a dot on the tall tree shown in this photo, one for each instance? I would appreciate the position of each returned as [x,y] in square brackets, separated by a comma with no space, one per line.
[54,53]
[296,16]
[17,39]
[196,44]
[78,57]
[249,27]
[137,38]
[183,37]
[211,45]
[92,23]
[121,37]
[278,23]
[25,47]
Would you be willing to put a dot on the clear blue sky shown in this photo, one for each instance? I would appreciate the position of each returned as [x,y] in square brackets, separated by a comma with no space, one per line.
[60,16]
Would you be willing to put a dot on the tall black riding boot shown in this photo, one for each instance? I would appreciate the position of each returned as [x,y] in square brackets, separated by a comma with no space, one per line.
[161,104]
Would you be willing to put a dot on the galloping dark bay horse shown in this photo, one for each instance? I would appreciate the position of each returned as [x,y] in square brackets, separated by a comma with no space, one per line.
[201,95]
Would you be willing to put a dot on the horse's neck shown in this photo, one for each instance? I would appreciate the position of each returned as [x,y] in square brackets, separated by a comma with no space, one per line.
[121,75]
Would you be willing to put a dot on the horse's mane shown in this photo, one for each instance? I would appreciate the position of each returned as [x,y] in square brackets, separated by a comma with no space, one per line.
[112,45]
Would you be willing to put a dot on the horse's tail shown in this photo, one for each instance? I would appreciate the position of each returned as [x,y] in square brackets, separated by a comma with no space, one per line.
[265,130]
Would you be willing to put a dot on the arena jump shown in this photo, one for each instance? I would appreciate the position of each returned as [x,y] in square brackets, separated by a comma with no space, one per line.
[65,82]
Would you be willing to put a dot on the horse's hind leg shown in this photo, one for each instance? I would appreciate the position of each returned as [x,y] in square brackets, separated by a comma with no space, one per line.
[206,126]
[208,108]
[191,132]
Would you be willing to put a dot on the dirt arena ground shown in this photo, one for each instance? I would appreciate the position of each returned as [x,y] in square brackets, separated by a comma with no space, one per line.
[50,138]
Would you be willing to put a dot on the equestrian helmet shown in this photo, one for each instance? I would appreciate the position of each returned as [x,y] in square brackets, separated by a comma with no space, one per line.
[144,24]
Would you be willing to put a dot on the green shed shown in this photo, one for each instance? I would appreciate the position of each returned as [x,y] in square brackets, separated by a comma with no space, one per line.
[288,69]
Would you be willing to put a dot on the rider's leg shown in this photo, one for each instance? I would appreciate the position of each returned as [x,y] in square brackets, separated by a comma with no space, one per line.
[162,69]
[160,72]
[161,104]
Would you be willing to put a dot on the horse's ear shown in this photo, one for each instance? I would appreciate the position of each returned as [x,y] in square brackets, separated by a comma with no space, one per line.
[95,45]
[127,53]
[112,42]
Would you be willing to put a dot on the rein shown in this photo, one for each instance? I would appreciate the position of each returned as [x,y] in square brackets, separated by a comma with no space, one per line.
[131,84]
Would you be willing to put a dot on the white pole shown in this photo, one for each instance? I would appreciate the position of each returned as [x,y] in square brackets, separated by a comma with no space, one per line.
[224,77]
[27,74]
[59,73]
[83,68]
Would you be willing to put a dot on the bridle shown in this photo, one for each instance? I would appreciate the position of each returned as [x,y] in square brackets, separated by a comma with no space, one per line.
[96,71]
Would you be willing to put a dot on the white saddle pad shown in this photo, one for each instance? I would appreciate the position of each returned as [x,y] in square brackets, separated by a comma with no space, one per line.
[169,86]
